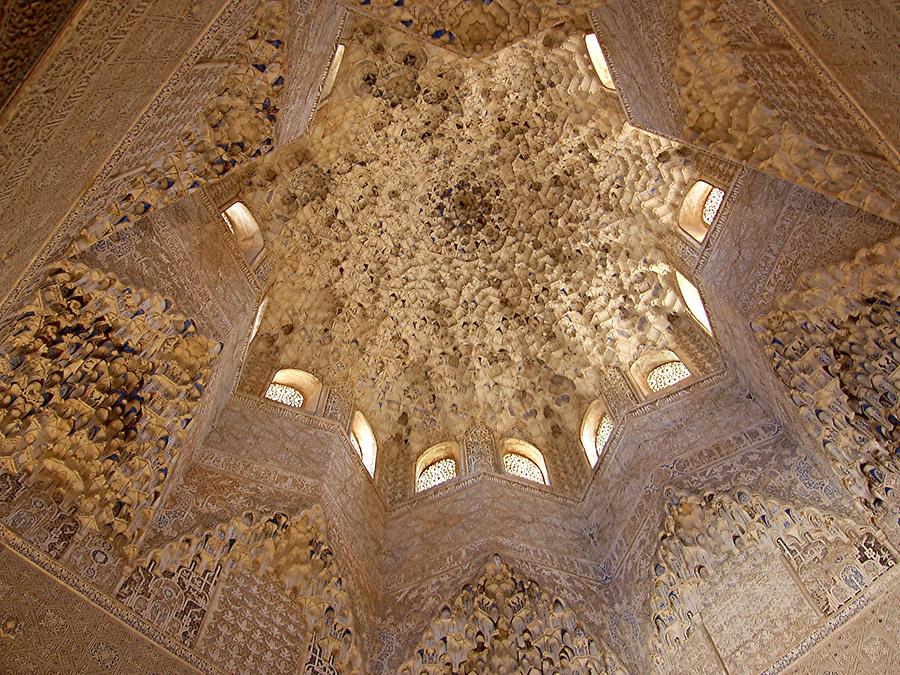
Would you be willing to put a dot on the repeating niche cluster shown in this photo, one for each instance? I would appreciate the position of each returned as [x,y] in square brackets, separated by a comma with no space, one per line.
[504,623]
[748,102]
[835,344]
[236,127]
[98,385]
[473,28]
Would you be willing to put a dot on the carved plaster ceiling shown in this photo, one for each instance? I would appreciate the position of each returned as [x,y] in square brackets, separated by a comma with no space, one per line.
[470,240]
[471,27]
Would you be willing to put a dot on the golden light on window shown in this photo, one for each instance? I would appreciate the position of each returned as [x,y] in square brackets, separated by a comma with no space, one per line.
[693,301]
[598,60]
[285,394]
[521,466]
[439,472]
[667,375]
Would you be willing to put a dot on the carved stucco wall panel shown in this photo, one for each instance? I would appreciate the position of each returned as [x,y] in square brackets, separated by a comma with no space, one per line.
[47,627]
[101,385]
[27,30]
[865,645]
[781,615]
[177,585]
[295,461]
[721,552]
[851,39]
[503,621]
[314,30]
[832,341]
[73,112]
[723,77]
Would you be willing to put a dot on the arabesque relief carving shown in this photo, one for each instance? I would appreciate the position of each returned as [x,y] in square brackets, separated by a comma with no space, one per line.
[236,127]
[833,558]
[173,586]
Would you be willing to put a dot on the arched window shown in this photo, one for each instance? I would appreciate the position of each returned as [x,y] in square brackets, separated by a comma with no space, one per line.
[245,230]
[667,375]
[362,438]
[658,370]
[295,388]
[700,208]
[694,302]
[437,465]
[598,60]
[596,430]
[332,72]
[524,460]
[258,319]
[285,394]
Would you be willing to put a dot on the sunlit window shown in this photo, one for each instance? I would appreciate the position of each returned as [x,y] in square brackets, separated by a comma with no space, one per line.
[434,474]
[667,375]
[245,230]
[700,208]
[597,427]
[332,72]
[362,438]
[522,459]
[604,431]
[598,60]
[258,320]
[521,466]
[712,205]
[285,394]
[295,388]
[693,301]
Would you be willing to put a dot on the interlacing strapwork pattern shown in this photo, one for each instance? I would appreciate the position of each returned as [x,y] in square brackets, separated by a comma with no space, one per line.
[289,552]
[437,473]
[505,623]
[316,663]
[667,375]
[604,431]
[521,466]
[712,205]
[285,394]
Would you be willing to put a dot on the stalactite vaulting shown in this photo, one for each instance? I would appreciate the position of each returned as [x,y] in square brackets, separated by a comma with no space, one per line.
[835,343]
[449,336]
[98,386]
[505,623]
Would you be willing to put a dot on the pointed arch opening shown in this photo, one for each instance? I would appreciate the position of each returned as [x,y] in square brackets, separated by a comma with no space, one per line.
[596,430]
[523,460]
[438,464]
[246,232]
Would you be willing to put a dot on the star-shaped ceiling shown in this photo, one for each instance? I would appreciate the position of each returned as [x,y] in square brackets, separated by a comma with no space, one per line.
[471,239]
